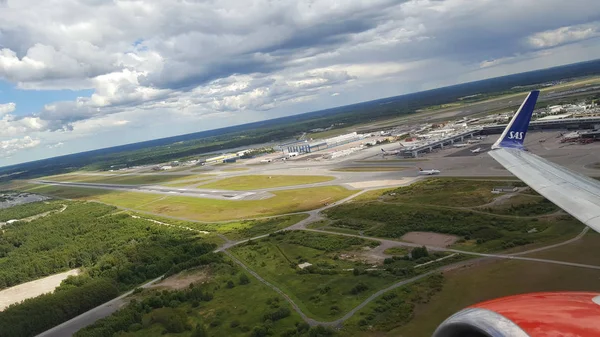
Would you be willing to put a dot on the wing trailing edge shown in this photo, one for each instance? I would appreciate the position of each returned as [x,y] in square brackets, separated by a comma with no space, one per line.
[575,193]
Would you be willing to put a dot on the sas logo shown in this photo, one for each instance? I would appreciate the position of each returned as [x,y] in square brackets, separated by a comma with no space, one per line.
[515,135]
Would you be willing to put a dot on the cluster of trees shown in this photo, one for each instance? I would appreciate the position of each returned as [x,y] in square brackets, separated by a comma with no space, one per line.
[328,243]
[26,210]
[38,314]
[399,220]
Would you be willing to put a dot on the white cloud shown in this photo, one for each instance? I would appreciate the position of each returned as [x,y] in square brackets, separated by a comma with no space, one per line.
[9,147]
[7,108]
[563,35]
[231,61]
[55,145]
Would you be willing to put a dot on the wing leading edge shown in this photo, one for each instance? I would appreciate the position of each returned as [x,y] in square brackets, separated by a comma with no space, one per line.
[575,193]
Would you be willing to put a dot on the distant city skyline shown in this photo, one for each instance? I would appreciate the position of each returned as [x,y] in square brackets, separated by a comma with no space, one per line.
[82,75]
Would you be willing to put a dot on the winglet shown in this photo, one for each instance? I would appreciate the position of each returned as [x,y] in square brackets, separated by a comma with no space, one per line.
[514,134]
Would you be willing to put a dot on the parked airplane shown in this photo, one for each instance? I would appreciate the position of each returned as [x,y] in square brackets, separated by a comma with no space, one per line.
[428,172]
[477,150]
[390,153]
[537,314]
[460,145]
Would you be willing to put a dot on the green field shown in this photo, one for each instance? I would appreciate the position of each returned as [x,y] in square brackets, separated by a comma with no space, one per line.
[235,169]
[368,169]
[489,281]
[339,277]
[145,179]
[235,230]
[185,183]
[580,251]
[285,201]
[253,182]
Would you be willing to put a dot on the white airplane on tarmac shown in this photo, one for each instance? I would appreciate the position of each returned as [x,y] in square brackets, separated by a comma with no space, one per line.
[390,153]
[428,172]
[477,150]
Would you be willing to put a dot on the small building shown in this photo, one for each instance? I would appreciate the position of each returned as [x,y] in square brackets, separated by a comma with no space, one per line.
[504,189]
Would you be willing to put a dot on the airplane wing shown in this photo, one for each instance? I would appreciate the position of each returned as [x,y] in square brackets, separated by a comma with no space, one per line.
[575,193]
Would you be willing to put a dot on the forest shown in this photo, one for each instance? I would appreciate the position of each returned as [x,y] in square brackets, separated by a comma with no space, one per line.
[121,250]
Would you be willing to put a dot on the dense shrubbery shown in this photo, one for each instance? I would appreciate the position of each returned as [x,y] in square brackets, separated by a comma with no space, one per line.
[399,220]
[543,206]
[328,243]
[27,210]
[38,314]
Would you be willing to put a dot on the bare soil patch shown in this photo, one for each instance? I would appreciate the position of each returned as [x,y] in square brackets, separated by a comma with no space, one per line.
[430,239]
[184,279]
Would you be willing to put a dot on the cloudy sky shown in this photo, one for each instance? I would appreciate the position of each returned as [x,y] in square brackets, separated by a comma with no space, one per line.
[77,75]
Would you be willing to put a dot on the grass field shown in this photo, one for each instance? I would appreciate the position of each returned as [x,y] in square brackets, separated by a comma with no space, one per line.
[286,201]
[581,251]
[490,281]
[368,169]
[186,182]
[372,195]
[235,169]
[253,182]
[126,179]
[236,230]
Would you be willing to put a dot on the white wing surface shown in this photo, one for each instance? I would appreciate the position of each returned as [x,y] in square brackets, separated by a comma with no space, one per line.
[575,193]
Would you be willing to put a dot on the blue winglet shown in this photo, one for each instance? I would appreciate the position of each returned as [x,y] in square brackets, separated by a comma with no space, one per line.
[514,134]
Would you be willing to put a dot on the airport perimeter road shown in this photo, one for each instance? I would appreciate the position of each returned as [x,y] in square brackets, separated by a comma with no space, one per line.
[73,325]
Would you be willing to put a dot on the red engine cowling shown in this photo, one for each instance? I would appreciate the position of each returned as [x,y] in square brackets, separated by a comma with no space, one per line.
[556,314]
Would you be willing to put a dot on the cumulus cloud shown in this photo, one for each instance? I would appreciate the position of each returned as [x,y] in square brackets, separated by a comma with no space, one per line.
[563,35]
[55,145]
[9,147]
[209,59]
[7,108]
